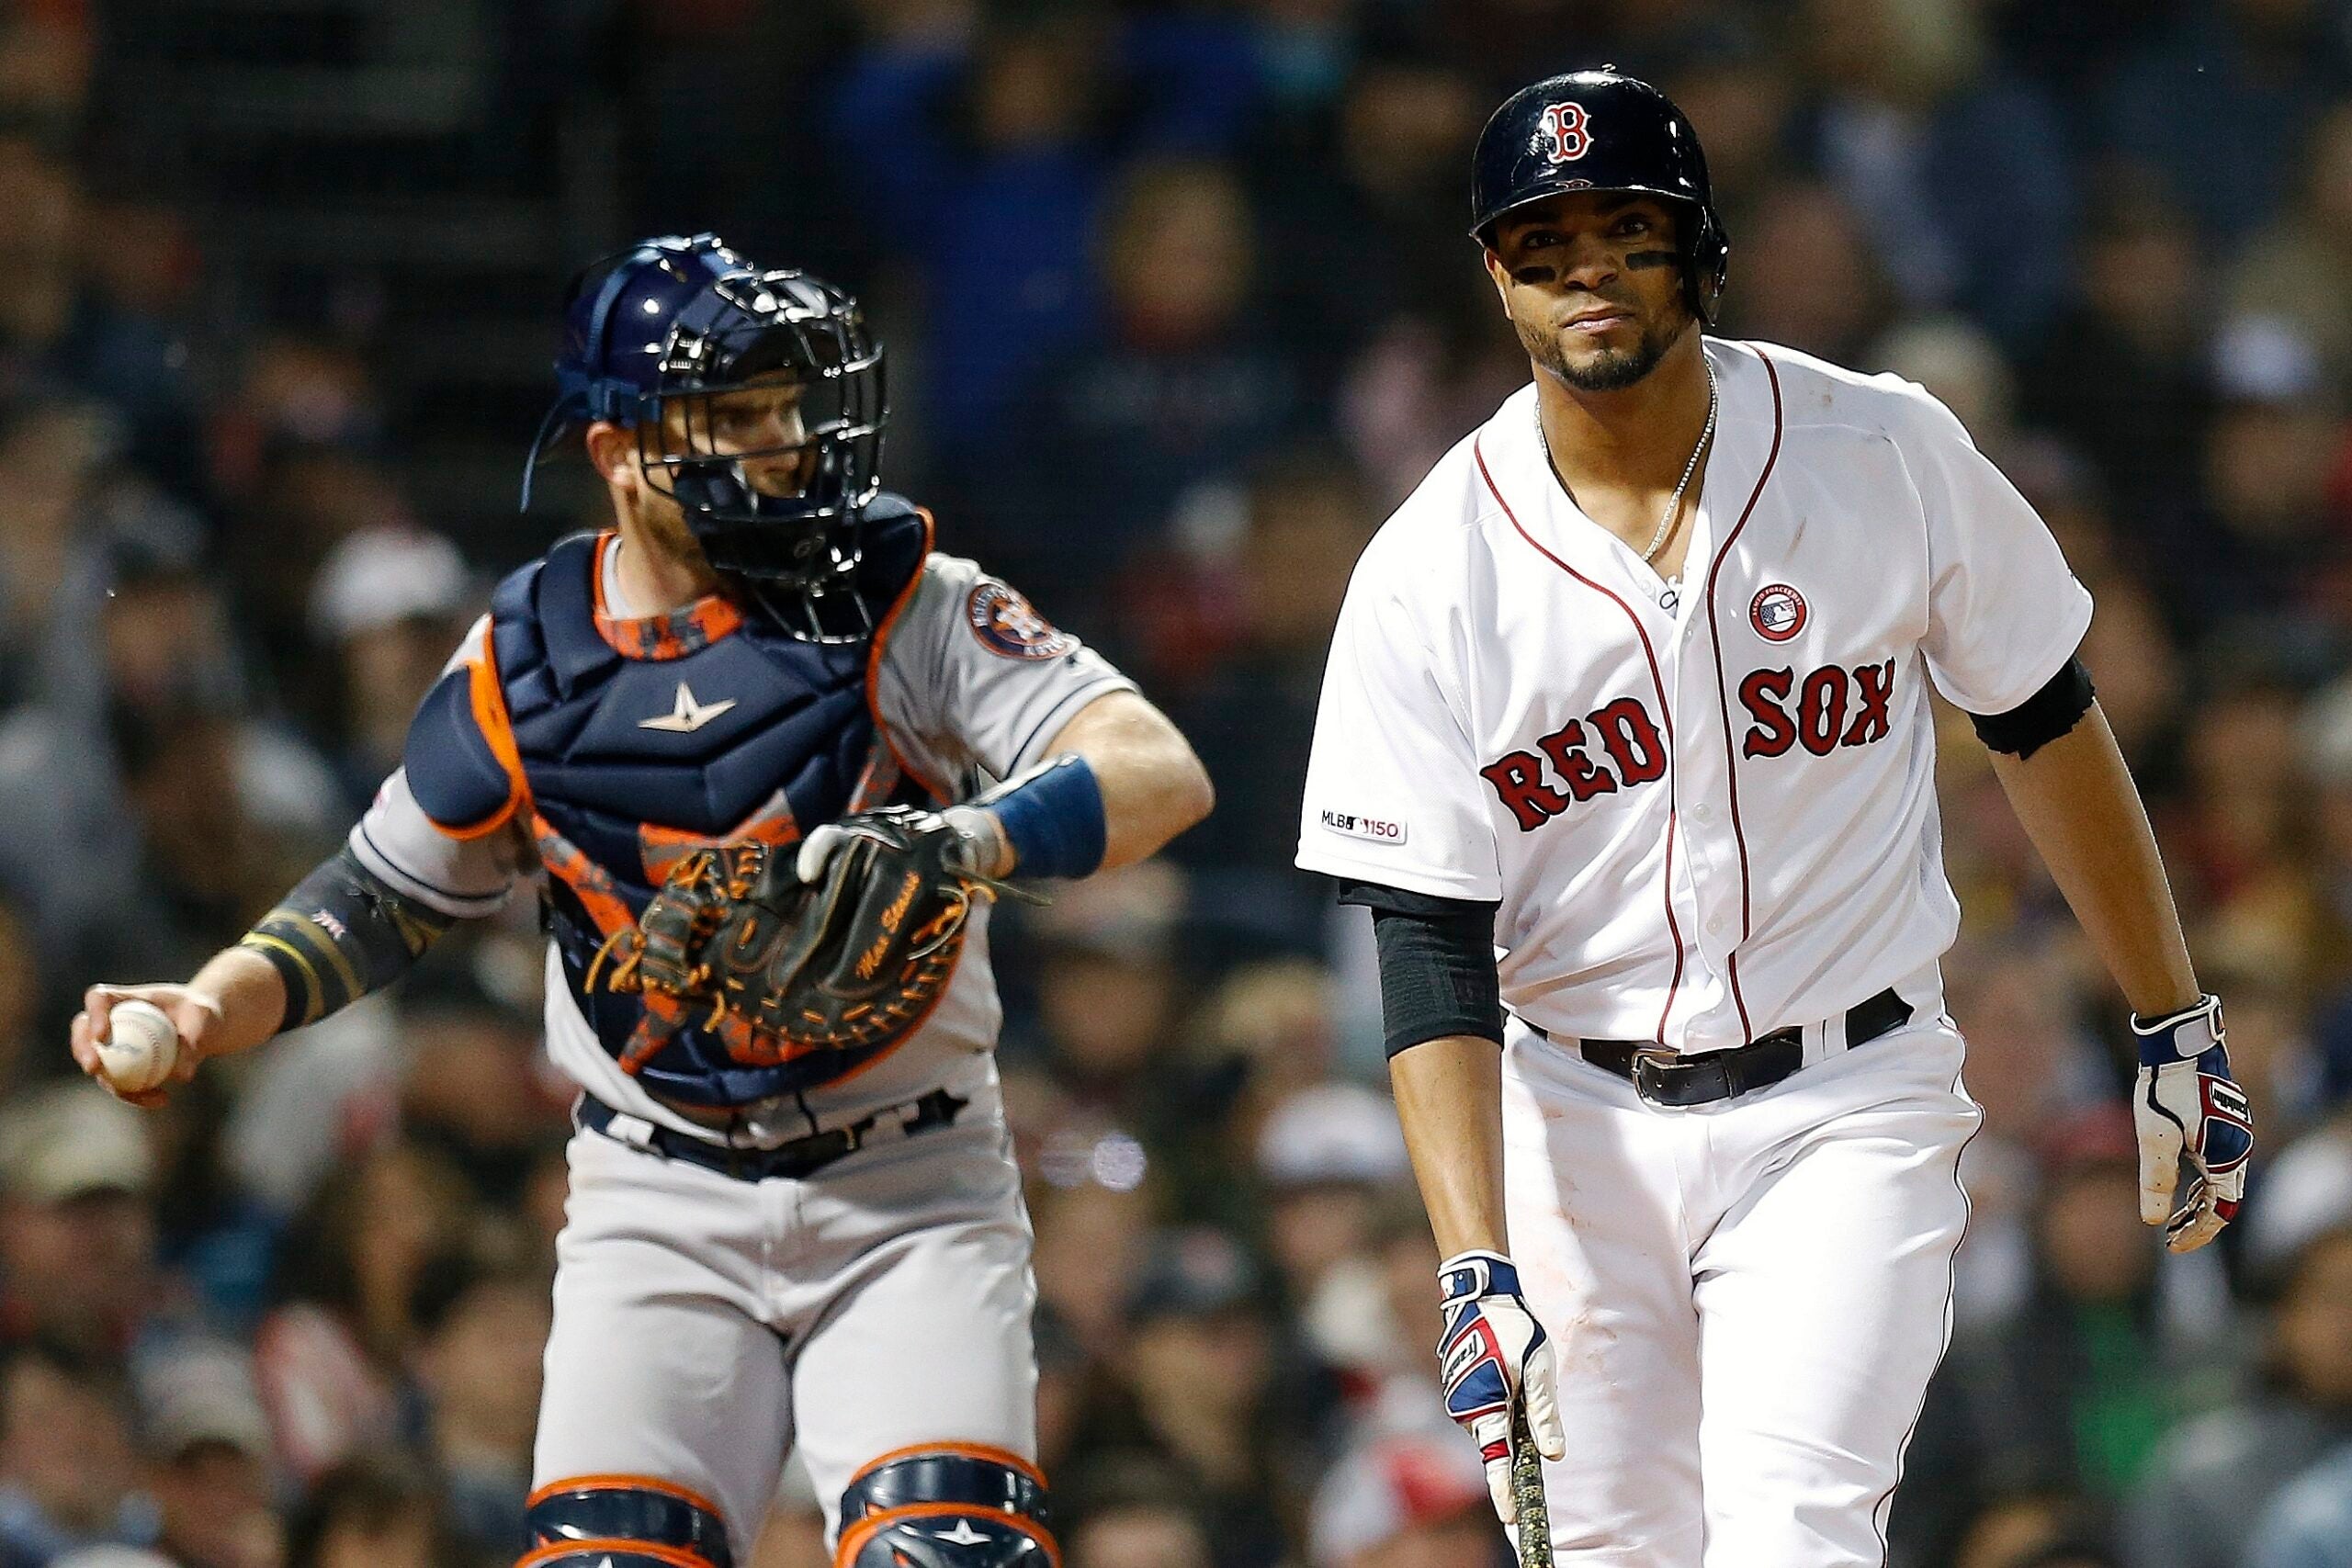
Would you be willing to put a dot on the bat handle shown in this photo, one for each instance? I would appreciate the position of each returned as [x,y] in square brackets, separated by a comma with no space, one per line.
[1527,1490]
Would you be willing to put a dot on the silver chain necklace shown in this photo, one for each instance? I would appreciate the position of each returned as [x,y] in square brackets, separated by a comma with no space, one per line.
[1674,506]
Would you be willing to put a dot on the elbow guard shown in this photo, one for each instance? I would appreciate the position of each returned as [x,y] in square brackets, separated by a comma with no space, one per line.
[341,933]
[2042,718]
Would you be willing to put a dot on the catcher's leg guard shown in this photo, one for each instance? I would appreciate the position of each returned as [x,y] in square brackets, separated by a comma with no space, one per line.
[630,1521]
[947,1505]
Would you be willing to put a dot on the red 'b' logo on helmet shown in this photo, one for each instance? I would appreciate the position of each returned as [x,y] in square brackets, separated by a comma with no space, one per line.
[1567,132]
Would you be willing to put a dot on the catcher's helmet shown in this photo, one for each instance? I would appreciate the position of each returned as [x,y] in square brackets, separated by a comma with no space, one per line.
[657,334]
[1600,130]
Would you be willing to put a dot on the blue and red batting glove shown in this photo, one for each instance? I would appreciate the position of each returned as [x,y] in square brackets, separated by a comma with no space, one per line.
[1492,1353]
[2189,1110]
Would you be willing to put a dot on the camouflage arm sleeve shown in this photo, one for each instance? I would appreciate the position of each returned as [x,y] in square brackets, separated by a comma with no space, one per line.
[341,933]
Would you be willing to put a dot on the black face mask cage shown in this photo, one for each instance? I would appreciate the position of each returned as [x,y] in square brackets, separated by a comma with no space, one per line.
[772,483]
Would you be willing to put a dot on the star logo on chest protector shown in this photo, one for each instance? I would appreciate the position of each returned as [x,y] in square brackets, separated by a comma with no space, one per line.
[687,714]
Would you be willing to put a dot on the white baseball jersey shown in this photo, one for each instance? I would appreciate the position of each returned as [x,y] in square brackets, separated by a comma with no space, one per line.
[966,702]
[1707,808]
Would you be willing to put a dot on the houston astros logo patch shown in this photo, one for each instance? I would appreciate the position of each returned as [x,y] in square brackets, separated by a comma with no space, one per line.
[1006,625]
[1777,611]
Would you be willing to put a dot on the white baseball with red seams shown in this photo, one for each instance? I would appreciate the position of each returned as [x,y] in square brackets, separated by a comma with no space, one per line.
[1707,812]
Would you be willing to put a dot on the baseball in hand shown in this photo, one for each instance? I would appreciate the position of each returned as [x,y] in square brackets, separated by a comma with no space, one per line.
[141,1048]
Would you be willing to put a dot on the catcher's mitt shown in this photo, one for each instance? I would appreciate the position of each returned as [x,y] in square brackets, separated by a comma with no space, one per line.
[850,962]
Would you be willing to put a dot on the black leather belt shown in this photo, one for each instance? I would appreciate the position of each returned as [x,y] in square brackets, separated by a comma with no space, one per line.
[1663,1078]
[800,1158]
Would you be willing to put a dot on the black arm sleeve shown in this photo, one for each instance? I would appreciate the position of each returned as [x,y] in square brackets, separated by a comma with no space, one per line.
[341,933]
[2042,718]
[1437,964]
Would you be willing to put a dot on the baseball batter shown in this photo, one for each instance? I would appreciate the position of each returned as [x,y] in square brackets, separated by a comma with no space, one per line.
[1625,740]
[770,1240]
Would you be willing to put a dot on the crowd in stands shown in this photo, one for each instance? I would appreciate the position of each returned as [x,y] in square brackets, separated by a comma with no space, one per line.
[1179,304]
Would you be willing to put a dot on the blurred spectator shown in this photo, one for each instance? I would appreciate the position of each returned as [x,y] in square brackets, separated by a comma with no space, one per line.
[1371,190]
[1954,167]
[313,493]
[77,1238]
[2076,1389]
[147,815]
[1326,1156]
[479,1337]
[1308,515]
[2251,75]
[2309,1525]
[1136,1516]
[54,454]
[373,1512]
[60,330]
[392,604]
[2018,1527]
[24,1044]
[1200,1361]
[982,138]
[1411,1500]
[332,1353]
[1107,988]
[1808,277]
[207,1446]
[68,1476]
[476,1093]
[1964,370]
[2204,1489]
[1179,388]
[1091,1241]
[2300,270]
[1432,374]
[2306,1192]
[2121,372]
[2267,549]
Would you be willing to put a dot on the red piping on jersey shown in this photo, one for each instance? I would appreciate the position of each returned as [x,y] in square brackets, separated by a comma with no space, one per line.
[1731,754]
[1666,711]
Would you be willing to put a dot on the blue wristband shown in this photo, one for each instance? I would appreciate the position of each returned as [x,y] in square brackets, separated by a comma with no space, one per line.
[1054,819]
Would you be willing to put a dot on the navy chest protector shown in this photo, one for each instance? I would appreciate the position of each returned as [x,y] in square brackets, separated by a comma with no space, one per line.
[626,743]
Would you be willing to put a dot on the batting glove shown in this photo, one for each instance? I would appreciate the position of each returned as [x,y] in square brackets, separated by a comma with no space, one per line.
[1492,1353]
[2187,1109]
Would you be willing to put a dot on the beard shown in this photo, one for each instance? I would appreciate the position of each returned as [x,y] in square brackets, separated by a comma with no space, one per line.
[1610,369]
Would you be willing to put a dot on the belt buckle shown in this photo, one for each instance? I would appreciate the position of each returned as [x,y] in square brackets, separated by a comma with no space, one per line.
[1650,1064]
[1678,1082]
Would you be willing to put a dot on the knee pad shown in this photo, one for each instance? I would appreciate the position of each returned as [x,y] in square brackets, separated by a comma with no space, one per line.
[947,1505]
[634,1521]
[610,1555]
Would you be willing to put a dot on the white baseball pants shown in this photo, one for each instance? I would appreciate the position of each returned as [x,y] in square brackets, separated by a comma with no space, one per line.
[1745,1299]
[705,1325]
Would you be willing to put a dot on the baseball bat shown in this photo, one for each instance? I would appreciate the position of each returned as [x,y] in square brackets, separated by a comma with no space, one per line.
[1527,1491]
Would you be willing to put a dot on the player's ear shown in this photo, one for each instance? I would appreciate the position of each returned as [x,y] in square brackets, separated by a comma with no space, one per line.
[612,451]
[1499,275]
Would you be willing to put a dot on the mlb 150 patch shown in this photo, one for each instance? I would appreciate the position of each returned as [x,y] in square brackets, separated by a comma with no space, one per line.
[1356,825]
[1007,625]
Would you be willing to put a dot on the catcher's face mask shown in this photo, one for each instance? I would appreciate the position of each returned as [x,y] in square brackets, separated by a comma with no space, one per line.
[756,400]
[765,429]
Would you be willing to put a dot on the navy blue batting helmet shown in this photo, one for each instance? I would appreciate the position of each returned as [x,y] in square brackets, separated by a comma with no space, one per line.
[660,337]
[1602,130]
